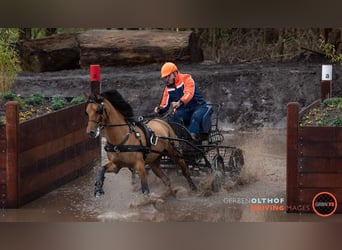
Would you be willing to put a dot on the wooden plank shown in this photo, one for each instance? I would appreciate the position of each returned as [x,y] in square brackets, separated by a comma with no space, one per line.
[2,132]
[76,161]
[320,134]
[48,127]
[3,147]
[51,161]
[320,164]
[306,109]
[320,180]
[292,153]
[320,149]
[3,186]
[2,175]
[43,151]
[3,197]
[47,180]
[3,172]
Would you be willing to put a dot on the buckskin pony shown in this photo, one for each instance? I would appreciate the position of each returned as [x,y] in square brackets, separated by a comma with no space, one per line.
[131,143]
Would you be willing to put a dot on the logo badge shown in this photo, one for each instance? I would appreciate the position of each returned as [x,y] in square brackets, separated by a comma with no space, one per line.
[324,204]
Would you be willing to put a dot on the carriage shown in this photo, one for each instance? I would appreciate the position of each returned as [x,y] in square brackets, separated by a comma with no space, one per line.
[140,144]
[208,154]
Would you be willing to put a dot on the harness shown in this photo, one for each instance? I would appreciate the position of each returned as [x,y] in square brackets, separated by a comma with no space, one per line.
[151,139]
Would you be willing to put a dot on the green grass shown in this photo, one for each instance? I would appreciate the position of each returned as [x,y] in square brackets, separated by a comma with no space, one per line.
[58,102]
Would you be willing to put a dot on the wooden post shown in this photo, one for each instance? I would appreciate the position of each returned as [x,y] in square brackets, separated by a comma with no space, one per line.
[326,90]
[292,155]
[326,85]
[12,124]
[3,160]
[95,86]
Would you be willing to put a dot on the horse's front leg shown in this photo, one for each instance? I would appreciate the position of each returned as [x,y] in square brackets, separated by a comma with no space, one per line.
[99,181]
[101,177]
[140,168]
[133,181]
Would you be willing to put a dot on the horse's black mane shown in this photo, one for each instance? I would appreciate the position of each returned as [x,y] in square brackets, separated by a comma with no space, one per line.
[118,102]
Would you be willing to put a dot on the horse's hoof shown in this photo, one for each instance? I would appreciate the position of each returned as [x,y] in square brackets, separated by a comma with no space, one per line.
[193,188]
[146,195]
[173,192]
[98,193]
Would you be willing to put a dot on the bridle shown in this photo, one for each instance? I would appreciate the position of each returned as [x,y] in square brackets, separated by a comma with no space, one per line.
[101,110]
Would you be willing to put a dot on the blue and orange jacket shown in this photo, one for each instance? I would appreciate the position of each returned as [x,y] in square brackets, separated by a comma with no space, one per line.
[184,89]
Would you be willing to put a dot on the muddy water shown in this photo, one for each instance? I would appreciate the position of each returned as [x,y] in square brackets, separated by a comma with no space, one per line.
[262,181]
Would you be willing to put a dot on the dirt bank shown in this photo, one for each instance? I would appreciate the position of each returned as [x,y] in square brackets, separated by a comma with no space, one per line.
[251,95]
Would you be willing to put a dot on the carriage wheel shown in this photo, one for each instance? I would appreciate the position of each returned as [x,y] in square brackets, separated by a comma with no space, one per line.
[235,164]
[219,170]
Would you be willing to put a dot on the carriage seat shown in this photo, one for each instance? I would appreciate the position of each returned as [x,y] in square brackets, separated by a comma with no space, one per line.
[205,125]
[206,120]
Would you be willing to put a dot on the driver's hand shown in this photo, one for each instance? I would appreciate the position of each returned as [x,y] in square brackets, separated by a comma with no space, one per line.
[176,105]
[156,109]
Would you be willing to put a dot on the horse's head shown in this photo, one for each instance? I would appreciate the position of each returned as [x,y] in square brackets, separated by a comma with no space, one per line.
[95,110]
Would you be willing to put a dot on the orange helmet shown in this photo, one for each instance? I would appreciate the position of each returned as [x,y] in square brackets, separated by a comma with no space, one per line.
[167,69]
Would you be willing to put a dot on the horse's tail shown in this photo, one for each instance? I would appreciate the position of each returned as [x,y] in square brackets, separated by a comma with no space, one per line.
[171,132]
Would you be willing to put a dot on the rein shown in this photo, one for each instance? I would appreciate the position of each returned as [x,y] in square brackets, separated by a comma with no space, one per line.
[101,125]
[115,125]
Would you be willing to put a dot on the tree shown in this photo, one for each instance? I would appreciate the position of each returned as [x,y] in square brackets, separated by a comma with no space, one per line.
[9,61]
[25,34]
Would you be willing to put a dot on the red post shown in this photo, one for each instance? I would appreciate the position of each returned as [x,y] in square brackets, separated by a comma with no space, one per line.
[292,155]
[95,86]
[12,124]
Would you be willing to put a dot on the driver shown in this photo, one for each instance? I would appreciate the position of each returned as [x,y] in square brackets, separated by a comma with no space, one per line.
[185,98]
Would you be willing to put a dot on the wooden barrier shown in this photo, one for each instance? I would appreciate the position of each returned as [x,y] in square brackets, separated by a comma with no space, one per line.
[314,162]
[43,153]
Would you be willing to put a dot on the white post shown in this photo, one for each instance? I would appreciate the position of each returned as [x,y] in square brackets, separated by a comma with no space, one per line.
[326,82]
[326,72]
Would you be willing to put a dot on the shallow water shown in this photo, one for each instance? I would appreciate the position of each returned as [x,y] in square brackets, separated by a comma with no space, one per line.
[262,182]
